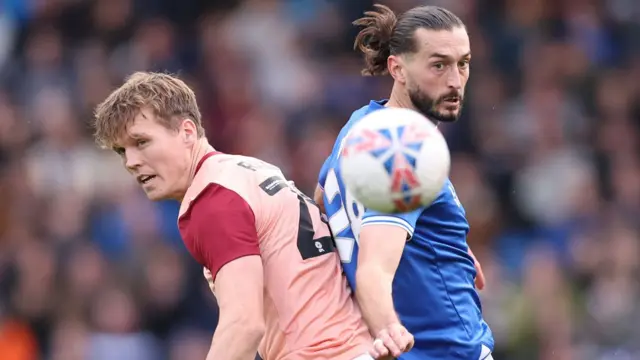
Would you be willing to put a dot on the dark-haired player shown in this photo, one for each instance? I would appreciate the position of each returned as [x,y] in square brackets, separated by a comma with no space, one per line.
[421,257]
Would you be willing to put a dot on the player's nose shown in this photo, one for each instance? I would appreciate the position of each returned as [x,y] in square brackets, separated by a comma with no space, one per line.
[132,162]
[454,80]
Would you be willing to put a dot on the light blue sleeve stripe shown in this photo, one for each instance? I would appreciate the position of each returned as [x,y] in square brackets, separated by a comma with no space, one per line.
[389,220]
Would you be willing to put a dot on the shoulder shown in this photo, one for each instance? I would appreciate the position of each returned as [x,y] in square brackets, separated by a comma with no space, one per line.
[337,146]
[213,199]
[448,196]
[218,227]
[215,212]
[356,116]
[216,179]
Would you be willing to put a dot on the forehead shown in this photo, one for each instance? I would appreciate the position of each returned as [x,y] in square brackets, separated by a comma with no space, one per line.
[143,124]
[451,43]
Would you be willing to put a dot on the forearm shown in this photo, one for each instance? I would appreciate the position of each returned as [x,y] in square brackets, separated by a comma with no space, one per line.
[235,340]
[374,295]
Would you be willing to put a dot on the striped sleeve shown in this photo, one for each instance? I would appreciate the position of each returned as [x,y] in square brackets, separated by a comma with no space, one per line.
[407,221]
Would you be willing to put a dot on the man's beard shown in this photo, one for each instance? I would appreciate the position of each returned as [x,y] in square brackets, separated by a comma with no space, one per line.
[427,106]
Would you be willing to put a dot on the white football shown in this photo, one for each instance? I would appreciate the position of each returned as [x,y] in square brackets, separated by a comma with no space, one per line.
[394,160]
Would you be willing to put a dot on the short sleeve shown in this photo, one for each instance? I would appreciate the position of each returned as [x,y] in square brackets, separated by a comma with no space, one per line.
[407,221]
[219,227]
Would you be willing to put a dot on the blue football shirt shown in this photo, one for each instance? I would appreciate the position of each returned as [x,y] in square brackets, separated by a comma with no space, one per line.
[433,289]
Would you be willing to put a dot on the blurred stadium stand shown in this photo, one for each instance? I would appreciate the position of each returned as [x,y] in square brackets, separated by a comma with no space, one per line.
[546,162]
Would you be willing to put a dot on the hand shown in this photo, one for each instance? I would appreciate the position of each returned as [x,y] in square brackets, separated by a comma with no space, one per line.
[480,280]
[392,342]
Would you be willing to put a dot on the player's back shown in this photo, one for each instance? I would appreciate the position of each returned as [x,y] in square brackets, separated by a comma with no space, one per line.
[309,312]
[433,290]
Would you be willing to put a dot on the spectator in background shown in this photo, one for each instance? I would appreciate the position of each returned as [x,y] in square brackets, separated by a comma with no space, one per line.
[552,122]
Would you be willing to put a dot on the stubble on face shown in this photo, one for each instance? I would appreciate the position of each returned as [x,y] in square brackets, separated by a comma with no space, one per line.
[429,106]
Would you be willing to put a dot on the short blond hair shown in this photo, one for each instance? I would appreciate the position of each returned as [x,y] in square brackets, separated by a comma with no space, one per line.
[170,99]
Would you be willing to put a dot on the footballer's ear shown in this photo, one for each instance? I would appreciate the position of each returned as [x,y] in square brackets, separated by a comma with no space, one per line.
[189,130]
[395,65]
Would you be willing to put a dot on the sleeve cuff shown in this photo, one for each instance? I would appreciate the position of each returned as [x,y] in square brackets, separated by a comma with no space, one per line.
[389,220]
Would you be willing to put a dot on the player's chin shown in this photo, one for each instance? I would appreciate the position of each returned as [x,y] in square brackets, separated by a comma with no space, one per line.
[155,194]
[448,113]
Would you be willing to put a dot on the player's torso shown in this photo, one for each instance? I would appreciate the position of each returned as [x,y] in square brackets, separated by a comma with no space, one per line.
[434,291]
[308,310]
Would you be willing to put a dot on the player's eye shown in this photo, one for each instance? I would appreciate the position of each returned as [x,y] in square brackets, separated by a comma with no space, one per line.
[141,142]
[439,66]
[464,64]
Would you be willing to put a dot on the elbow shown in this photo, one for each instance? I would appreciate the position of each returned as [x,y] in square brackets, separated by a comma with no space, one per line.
[255,327]
[372,277]
[372,271]
[252,329]
[362,286]
[248,327]
[361,277]
[254,332]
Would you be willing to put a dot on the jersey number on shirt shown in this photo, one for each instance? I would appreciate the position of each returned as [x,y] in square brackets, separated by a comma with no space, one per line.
[308,245]
[343,218]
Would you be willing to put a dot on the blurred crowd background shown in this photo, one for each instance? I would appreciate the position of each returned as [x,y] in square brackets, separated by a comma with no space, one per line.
[546,163]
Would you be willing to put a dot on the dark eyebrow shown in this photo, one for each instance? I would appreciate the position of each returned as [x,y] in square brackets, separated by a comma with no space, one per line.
[443,56]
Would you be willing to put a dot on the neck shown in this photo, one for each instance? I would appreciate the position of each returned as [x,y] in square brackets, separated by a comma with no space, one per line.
[201,148]
[398,98]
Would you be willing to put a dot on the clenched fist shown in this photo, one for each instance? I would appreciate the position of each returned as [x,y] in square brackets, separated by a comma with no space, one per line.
[392,342]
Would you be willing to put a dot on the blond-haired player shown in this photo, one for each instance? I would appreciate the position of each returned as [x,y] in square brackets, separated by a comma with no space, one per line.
[267,255]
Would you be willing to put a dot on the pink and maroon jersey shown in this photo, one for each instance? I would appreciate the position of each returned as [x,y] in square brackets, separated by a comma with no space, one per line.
[240,206]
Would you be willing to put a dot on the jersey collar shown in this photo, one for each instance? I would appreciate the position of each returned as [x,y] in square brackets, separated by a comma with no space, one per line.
[205,157]
[377,104]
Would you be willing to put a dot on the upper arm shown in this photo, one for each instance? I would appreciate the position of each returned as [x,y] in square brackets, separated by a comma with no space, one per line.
[239,288]
[383,237]
[219,228]
[381,247]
